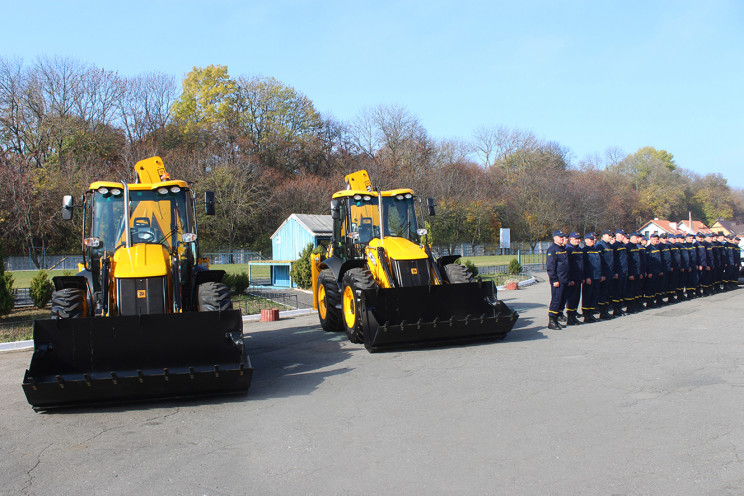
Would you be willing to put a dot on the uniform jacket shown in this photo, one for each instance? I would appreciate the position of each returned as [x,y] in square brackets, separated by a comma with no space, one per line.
[608,258]
[592,263]
[634,259]
[654,262]
[557,264]
[621,258]
[666,257]
[575,263]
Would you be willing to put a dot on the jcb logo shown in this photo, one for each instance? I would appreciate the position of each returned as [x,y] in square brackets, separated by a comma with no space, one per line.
[414,271]
[141,293]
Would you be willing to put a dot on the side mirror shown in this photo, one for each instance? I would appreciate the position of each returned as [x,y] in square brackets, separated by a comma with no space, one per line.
[430,206]
[209,202]
[67,204]
[335,209]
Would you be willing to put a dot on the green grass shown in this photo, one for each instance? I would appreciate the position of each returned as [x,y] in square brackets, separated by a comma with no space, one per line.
[18,324]
[490,259]
[22,278]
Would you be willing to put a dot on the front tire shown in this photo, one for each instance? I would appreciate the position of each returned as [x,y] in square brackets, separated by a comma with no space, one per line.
[329,302]
[214,296]
[458,274]
[357,279]
[69,303]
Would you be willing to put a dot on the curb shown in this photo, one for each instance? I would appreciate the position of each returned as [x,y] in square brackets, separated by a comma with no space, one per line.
[284,313]
[520,284]
[17,345]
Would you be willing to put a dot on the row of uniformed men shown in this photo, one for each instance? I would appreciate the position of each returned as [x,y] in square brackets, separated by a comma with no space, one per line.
[625,273]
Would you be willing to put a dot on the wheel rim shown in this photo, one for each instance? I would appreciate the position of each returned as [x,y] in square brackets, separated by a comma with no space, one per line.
[349,307]
[322,309]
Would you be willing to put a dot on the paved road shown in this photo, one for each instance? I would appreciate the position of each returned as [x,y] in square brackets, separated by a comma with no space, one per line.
[645,404]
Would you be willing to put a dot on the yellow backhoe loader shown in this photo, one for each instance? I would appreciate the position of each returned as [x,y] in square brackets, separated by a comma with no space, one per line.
[143,318]
[381,284]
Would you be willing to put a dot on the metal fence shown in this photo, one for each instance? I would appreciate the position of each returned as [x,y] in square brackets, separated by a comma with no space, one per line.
[22,297]
[16,331]
[233,257]
[258,298]
[48,262]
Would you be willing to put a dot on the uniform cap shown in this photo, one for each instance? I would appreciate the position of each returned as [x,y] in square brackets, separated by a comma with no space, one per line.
[590,235]
[663,236]
[575,235]
[699,234]
[559,233]
[690,235]
[621,231]
[606,231]
[654,235]
[709,235]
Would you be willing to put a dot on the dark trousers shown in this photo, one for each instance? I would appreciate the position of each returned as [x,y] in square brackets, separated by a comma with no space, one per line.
[652,287]
[590,297]
[618,294]
[557,299]
[631,286]
[573,293]
[604,293]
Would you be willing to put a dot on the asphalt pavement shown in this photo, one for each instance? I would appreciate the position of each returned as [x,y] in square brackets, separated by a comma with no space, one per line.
[644,404]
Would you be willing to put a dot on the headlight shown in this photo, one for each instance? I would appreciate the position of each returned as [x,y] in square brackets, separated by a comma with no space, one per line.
[357,197]
[175,189]
[409,196]
[92,242]
[115,191]
[188,237]
[367,198]
[103,190]
[163,190]
[399,197]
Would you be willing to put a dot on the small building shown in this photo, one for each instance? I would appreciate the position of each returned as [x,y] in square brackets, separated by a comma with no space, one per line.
[660,226]
[727,227]
[296,232]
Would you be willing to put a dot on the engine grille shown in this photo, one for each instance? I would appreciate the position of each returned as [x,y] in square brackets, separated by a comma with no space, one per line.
[411,272]
[141,296]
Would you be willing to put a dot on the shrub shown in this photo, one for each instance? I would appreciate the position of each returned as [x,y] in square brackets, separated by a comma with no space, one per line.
[6,288]
[301,271]
[237,282]
[515,267]
[41,289]
[468,265]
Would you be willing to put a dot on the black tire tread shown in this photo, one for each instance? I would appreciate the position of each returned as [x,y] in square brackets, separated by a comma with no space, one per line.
[458,274]
[214,296]
[359,278]
[69,303]
[332,322]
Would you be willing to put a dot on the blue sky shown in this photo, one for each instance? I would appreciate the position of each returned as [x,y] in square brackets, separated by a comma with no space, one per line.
[590,75]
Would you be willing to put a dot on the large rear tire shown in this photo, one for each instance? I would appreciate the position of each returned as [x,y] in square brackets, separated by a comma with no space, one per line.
[457,274]
[69,303]
[214,296]
[355,279]
[329,302]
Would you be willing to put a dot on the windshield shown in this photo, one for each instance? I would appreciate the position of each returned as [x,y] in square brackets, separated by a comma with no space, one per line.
[154,218]
[399,212]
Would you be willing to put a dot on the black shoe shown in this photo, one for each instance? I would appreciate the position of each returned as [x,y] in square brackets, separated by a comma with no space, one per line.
[572,320]
[618,312]
[553,324]
[589,318]
[561,317]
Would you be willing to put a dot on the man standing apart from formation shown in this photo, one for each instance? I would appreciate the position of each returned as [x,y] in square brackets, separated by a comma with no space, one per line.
[557,267]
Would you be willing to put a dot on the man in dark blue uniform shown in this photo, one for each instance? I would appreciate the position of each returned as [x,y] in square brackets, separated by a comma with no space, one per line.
[691,281]
[676,262]
[592,278]
[666,259]
[557,267]
[621,270]
[634,272]
[604,246]
[641,298]
[737,261]
[575,277]
[702,258]
[709,267]
[654,272]
[732,272]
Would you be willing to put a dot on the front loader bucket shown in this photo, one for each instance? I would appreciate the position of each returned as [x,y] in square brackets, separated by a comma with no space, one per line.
[399,317]
[117,359]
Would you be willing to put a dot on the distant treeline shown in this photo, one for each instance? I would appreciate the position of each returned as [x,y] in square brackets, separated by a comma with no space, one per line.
[266,151]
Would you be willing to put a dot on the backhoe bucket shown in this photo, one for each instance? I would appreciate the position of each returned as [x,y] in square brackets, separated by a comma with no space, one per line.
[120,359]
[409,316]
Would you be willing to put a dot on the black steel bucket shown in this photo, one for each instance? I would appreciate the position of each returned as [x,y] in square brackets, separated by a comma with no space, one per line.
[119,359]
[430,315]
